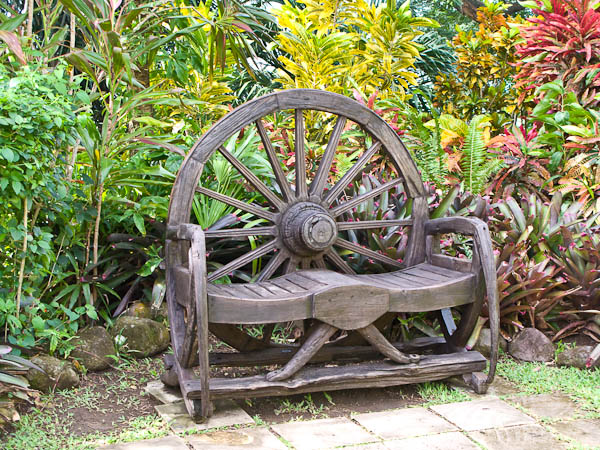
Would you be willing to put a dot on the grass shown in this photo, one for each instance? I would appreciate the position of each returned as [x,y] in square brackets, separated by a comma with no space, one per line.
[437,393]
[539,378]
[306,405]
[41,430]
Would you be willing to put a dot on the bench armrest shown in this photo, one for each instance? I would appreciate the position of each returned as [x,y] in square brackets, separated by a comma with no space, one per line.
[475,227]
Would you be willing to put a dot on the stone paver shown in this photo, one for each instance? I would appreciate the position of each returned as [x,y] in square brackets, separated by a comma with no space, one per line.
[165,443]
[162,393]
[250,438]
[444,441]
[549,406]
[226,414]
[500,387]
[403,423]
[323,433]
[584,431]
[517,438]
[482,414]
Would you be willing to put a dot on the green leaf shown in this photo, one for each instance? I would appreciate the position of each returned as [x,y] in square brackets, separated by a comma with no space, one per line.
[8,154]
[38,323]
[139,223]
[16,381]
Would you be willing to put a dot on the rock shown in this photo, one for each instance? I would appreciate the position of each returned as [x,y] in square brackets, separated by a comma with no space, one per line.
[93,347]
[483,344]
[143,337]
[531,345]
[574,356]
[59,374]
[139,309]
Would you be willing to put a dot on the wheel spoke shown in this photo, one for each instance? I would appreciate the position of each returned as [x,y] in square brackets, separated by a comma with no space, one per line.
[243,260]
[282,181]
[252,179]
[272,266]
[239,233]
[248,207]
[305,263]
[300,156]
[347,245]
[290,266]
[349,176]
[342,208]
[339,262]
[318,183]
[320,263]
[367,224]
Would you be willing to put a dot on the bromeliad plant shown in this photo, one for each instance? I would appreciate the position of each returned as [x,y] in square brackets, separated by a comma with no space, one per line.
[14,387]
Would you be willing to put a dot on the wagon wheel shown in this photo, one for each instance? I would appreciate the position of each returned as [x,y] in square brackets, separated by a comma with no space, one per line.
[304,219]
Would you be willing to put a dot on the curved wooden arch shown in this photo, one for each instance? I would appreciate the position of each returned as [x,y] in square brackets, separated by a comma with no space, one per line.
[189,174]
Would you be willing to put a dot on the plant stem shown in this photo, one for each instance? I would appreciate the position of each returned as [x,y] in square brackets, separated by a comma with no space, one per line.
[96,235]
[29,18]
[24,249]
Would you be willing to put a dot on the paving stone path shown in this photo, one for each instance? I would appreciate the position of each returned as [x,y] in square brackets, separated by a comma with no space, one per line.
[499,420]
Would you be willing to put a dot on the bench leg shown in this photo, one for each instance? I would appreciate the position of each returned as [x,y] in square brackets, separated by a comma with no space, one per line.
[311,346]
[379,342]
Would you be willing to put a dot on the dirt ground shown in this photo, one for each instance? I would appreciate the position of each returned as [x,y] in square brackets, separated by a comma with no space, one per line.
[107,401]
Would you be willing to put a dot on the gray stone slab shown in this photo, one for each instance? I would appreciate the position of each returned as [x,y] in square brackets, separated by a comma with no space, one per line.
[249,438]
[549,406]
[164,443]
[162,393]
[323,433]
[482,414]
[226,414]
[414,422]
[443,441]
[517,438]
[584,431]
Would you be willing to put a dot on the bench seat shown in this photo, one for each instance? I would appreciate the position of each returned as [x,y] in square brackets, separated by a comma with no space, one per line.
[340,299]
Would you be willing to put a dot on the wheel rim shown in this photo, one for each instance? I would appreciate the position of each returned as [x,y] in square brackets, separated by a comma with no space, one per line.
[305,216]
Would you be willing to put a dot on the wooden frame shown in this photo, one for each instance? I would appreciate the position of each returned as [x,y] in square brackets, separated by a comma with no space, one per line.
[315,284]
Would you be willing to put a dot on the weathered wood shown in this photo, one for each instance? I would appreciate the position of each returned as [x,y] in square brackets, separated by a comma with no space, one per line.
[379,342]
[243,260]
[328,353]
[350,307]
[368,224]
[282,181]
[318,183]
[339,299]
[310,347]
[197,259]
[304,234]
[252,179]
[349,204]
[248,207]
[300,155]
[311,379]
[486,263]
[351,174]
[347,245]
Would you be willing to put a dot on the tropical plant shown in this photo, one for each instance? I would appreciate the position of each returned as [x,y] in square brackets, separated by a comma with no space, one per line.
[485,67]
[328,43]
[14,387]
[561,43]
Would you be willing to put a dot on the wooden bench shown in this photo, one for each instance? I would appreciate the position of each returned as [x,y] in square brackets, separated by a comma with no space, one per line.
[305,277]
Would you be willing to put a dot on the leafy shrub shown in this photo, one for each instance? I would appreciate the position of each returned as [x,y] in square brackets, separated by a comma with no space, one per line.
[561,43]
[333,45]
[485,66]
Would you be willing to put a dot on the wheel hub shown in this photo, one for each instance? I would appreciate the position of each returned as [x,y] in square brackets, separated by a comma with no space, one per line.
[307,229]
